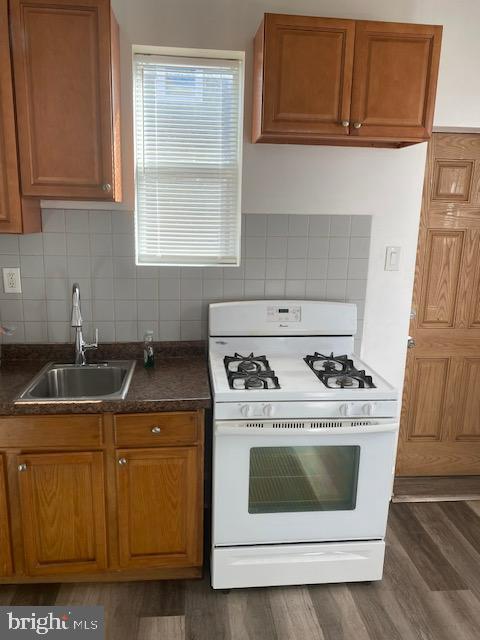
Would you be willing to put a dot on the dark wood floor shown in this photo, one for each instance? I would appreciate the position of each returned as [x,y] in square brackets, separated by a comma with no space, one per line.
[430,591]
[437,489]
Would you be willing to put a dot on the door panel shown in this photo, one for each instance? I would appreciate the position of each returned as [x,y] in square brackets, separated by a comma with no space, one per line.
[159,507]
[394,82]
[63,512]
[468,426]
[440,426]
[62,62]
[308,74]
[443,258]
[426,404]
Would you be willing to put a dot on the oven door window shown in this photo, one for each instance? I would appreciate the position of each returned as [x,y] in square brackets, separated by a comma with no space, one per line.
[292,479]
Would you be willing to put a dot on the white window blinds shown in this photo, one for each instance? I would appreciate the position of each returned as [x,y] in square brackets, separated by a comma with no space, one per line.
[188,137]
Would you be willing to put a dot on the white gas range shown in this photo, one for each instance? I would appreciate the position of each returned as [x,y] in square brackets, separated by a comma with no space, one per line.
[304,446]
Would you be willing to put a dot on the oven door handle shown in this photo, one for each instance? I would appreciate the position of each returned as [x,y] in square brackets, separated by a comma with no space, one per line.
[238,428]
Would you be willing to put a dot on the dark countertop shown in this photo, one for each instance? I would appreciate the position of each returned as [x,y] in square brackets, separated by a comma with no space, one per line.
[178,382]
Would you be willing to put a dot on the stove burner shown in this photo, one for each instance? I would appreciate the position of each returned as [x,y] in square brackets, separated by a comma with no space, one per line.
[249,366]
[250,372]
[338,372]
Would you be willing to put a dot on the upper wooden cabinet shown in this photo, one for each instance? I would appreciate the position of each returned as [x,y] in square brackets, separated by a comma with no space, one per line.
[328,81]
[307,74]
[17,214]
[65,59]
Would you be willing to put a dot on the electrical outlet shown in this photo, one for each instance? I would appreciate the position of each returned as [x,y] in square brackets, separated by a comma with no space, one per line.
[11,280]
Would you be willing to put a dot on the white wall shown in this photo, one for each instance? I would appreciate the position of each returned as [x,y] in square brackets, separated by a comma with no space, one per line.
[328,180]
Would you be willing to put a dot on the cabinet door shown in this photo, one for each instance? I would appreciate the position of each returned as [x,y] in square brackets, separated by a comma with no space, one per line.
[65,104]
[62,505]
[14,217]
[307,71]
[160,507]
[5,543]
[394,79]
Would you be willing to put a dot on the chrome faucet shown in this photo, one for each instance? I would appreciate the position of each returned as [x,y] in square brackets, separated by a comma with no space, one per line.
[77,322]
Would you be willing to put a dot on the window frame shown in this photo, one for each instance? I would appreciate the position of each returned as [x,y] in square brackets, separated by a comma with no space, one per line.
[192,54]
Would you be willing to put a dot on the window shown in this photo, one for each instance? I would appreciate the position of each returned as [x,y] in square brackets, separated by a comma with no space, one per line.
[188,151]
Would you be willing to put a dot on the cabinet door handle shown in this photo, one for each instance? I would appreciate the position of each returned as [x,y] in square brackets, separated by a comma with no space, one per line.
[345,123]
[22,467]
[122,461]
[357,125]
[155,430]
[106,187]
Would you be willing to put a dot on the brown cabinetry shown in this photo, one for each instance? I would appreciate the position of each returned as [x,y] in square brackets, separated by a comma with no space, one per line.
[17,214]
[62,504]
[74,507]
[159,507]
[5,546]
[65,58]
[349,82]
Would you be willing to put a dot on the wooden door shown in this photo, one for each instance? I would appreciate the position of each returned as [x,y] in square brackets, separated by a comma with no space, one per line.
[5,541]
[394,79]
[440,429]
[16,215]
[160,507]
[62,504]
[307,75]
[67,123]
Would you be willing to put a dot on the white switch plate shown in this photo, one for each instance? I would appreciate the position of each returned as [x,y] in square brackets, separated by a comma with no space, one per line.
[392,258]
[11,280]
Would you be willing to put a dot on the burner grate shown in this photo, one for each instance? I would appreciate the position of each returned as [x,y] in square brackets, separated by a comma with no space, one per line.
[338,372]
[250,372]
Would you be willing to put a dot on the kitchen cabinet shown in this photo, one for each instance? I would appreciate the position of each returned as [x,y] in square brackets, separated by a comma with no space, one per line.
[344,82]
[5,548]
[101,496]
[66,74]
[17,214]
[62,503]
[159,510]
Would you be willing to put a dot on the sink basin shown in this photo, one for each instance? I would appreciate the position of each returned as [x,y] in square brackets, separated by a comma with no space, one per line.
[70,383]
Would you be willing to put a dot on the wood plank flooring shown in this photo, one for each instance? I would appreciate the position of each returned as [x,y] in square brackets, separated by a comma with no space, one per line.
[436,489]
[430,591]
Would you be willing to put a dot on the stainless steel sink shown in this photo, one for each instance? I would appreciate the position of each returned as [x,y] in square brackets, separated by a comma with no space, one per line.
[74,383]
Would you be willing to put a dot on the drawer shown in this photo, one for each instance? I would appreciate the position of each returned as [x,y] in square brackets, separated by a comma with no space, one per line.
[151,429]
[52,432]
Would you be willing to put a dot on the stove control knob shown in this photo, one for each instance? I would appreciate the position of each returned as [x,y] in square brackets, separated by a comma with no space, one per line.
[267,410]
[368,409]
[344,410]
[245,410]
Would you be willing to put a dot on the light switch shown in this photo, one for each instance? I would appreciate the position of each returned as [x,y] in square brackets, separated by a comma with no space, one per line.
[392,258]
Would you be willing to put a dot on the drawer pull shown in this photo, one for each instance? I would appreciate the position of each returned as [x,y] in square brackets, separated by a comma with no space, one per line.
[122,461]
[22,467]
[155,429]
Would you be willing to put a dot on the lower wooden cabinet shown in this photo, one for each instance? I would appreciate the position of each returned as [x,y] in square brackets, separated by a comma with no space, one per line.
[6,566]
[62,502]
[84,509]
[159,508]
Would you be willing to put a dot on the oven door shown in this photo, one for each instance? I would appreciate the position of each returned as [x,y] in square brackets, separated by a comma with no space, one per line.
[302,481]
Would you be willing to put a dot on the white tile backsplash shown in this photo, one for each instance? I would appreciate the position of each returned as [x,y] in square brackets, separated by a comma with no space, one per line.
[322,257]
